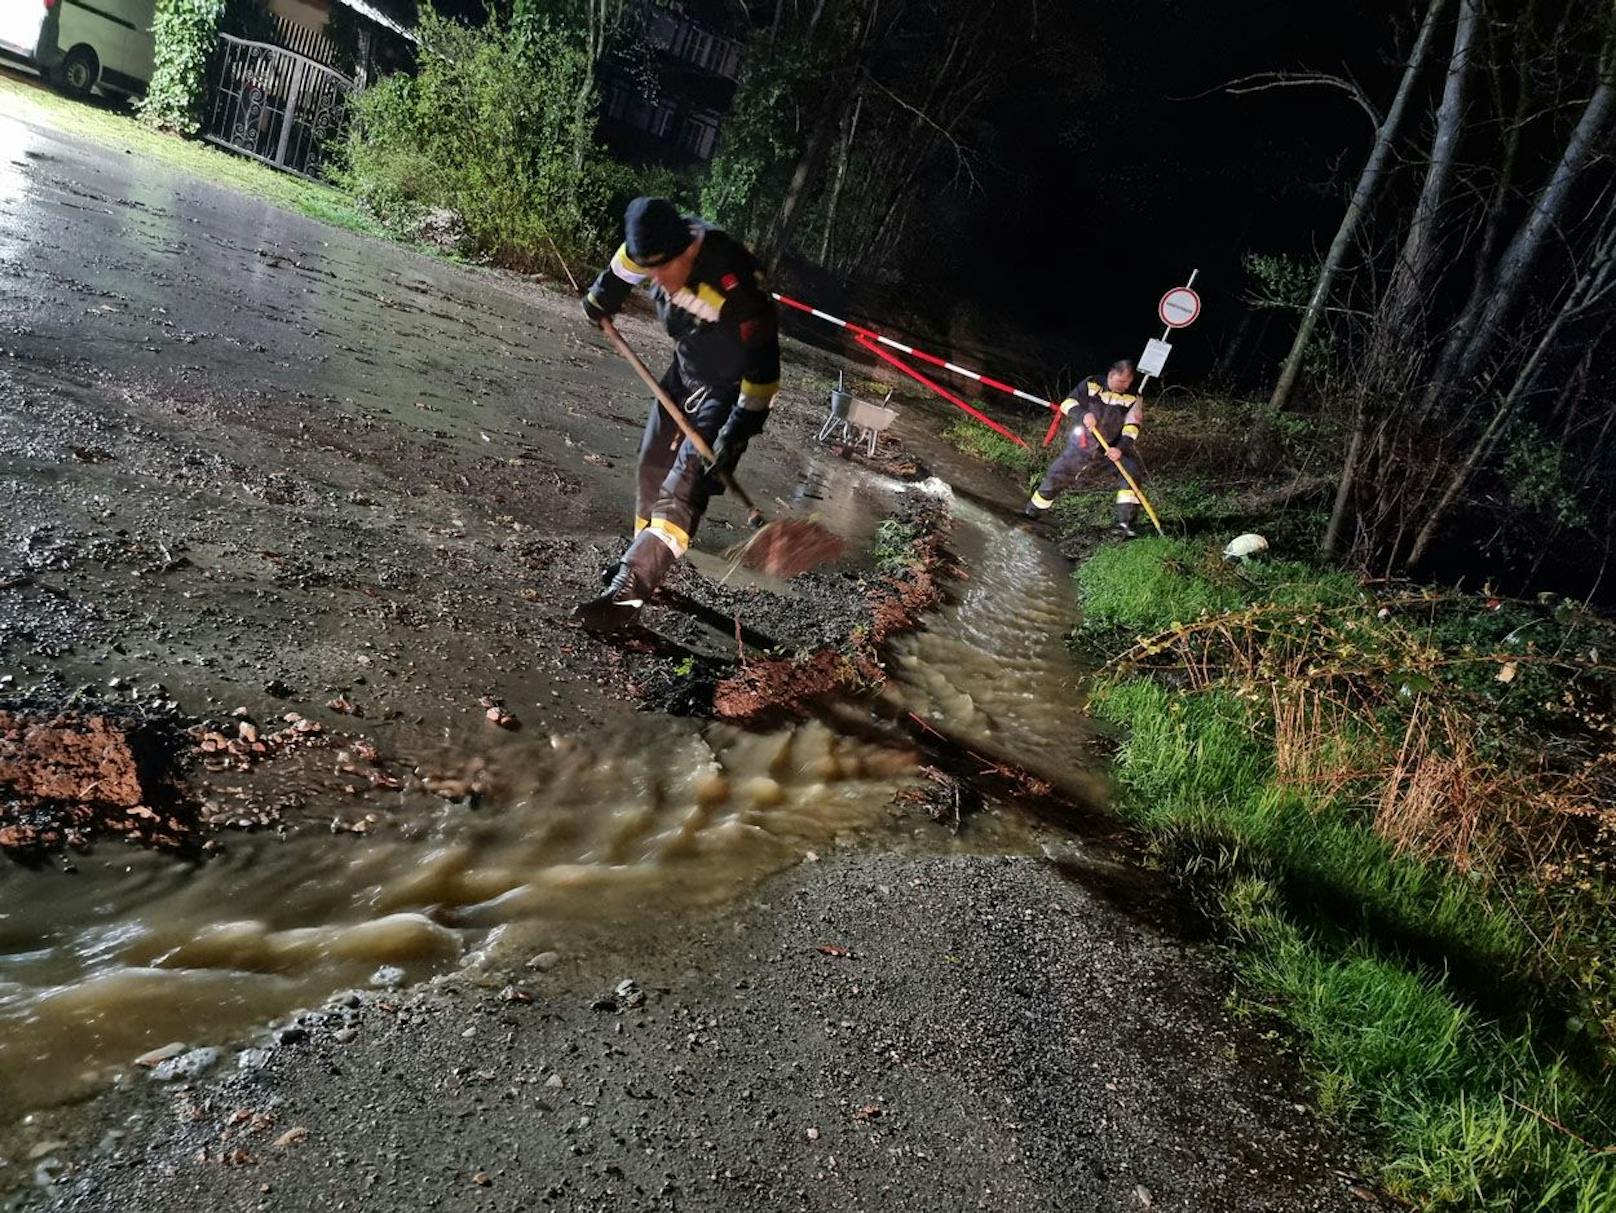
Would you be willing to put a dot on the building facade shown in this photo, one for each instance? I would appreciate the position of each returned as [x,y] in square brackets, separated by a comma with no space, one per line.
[663,99]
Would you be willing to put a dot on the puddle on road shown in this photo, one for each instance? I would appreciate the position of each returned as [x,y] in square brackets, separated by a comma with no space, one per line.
[138,949]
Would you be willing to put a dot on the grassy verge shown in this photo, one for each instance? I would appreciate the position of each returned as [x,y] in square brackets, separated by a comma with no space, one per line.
[27,101]
[1402,808]
[1022,462]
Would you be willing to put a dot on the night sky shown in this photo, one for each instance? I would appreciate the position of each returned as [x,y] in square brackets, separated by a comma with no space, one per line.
[1109,191]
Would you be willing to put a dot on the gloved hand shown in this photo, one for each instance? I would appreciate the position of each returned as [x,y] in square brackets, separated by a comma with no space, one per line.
[593,312]
[742,425]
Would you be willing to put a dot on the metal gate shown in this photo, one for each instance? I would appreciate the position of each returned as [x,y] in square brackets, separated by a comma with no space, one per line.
[275,105]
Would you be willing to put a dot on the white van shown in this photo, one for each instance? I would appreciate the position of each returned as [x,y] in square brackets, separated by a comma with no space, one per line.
[79,44]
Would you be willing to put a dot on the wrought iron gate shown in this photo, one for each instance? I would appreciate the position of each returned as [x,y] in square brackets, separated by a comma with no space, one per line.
[275,105]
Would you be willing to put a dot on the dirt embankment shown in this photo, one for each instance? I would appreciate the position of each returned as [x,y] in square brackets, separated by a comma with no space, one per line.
[893,603]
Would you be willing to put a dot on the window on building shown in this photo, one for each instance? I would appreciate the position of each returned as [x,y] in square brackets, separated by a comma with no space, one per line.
[699,48]
[698,133]
[661,122]
[617,99]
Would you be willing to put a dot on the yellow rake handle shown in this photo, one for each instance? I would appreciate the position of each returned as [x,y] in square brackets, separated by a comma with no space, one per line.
[1132,484]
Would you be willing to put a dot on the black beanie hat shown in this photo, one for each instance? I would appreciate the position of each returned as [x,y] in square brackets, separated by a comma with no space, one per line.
[655,231]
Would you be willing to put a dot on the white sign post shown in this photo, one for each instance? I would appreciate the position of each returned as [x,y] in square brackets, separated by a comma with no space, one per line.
[1178,307]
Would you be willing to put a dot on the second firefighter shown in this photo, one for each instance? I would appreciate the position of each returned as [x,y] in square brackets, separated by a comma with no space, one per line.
[1111,409]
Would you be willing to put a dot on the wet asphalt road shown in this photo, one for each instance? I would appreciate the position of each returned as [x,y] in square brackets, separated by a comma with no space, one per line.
[994,1037]
[242,450]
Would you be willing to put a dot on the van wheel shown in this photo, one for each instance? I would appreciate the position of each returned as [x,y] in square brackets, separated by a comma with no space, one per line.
[77,74]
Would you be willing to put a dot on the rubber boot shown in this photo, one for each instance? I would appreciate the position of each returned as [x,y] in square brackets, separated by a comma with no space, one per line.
[636,579]
[1127,511]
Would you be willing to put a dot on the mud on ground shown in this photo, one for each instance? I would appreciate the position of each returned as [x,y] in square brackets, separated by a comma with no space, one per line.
[279,470]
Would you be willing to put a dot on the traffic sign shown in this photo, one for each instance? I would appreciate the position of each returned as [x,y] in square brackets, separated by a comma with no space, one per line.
[1179,307]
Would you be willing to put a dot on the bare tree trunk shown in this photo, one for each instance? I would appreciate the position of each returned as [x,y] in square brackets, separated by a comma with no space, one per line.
[601,21]
[850,121]
[1594,282]
[778,241]
[1420,247]
[1482,276]
[1348,482]
[1232,349]
[1545,218]
[1362,195]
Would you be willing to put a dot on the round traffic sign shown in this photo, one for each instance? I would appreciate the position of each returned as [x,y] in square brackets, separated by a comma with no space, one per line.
[1179,307]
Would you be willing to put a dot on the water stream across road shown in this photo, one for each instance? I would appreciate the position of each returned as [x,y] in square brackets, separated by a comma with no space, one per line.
[138,949]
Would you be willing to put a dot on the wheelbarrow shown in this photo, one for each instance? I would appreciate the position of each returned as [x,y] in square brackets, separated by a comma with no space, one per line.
[857,420]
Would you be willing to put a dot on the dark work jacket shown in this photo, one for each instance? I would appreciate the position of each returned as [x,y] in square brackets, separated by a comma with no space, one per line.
[723,318]
[1117,415]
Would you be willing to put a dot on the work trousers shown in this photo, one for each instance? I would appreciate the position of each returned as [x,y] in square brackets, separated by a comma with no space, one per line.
[672,489]
[1081,456]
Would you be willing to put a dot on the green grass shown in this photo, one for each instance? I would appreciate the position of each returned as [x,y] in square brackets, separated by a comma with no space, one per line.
[1025,463]
[1360,948]
[27,101]
[1463,1107]
[1150,584]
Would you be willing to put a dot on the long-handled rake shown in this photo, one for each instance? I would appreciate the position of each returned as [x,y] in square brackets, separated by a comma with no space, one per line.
[782,548]
[1132,484]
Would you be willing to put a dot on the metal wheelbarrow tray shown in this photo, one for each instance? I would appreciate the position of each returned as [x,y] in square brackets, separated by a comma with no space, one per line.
[850,414]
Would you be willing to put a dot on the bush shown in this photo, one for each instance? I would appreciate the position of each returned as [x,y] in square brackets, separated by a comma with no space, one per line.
[498,127]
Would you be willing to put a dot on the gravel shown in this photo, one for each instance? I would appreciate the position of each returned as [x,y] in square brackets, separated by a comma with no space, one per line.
[995,1037]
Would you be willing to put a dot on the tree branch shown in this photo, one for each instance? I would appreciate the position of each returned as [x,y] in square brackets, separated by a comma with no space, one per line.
[1259,82]
[962,154]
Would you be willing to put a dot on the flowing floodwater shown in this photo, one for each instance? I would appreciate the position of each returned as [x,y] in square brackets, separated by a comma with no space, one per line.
[137,949]
[994,670]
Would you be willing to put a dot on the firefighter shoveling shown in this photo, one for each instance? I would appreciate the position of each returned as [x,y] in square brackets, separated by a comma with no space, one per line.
[710,403]
[784,547]
[717,395]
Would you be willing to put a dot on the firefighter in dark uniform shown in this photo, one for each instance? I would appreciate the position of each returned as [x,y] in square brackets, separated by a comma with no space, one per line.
[709,294]
[1108,405]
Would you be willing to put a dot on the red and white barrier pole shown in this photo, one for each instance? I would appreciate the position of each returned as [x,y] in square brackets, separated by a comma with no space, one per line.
[870,340]
[947,395]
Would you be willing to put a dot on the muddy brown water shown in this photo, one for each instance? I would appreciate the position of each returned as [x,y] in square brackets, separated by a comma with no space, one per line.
[138,949]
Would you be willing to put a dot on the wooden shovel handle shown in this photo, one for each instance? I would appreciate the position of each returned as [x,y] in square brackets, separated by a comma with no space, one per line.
[673,410]
[1132,484]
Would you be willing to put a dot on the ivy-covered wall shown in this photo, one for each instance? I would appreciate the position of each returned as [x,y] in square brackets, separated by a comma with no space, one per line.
[185,33]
